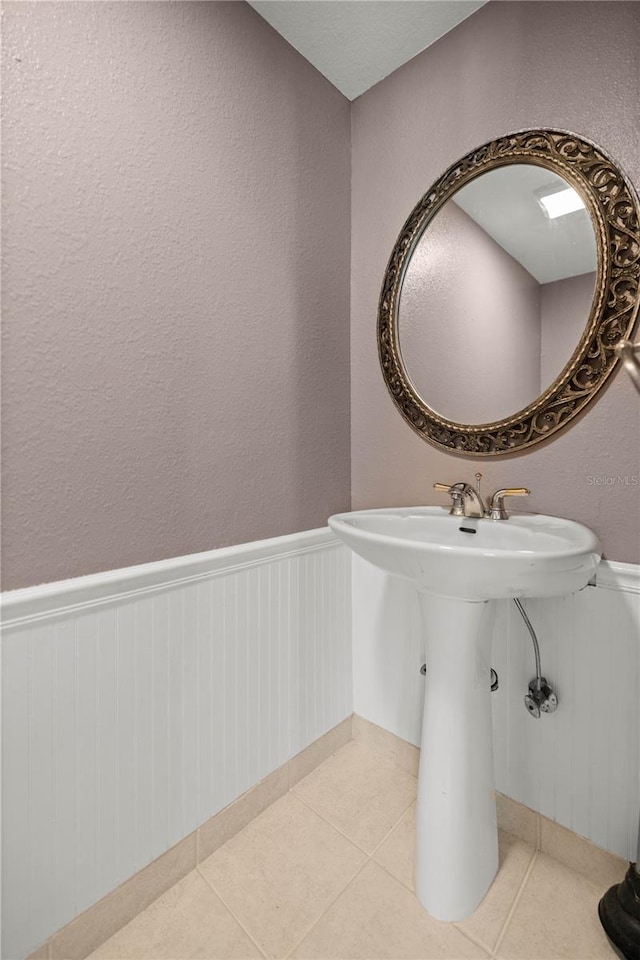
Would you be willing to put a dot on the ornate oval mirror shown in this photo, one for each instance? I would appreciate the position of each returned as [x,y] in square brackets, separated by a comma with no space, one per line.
[506,293]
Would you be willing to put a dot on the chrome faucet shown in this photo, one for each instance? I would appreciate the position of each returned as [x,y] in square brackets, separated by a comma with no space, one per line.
[467,502]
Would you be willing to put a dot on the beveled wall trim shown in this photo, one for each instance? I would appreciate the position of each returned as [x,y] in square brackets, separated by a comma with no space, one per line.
[624,577]
[64,597]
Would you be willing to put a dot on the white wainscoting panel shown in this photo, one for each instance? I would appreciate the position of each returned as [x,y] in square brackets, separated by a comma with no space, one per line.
[137,704]
[579,766]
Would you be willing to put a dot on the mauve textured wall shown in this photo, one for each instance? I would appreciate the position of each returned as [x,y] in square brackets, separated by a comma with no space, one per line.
[563,306]
[483,309]
[510,66]
[176,285]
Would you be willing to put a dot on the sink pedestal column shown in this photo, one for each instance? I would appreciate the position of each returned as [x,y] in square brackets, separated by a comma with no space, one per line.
[457,837]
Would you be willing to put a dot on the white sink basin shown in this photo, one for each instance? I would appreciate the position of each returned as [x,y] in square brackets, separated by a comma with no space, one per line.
[524,556]
[457,573]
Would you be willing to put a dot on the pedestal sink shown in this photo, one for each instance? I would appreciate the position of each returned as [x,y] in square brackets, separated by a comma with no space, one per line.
[458,565]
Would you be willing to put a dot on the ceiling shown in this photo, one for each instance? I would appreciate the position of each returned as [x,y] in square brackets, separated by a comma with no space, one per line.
[356,43]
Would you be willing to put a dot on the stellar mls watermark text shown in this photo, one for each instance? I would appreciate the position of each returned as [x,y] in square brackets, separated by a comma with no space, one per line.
[619,481]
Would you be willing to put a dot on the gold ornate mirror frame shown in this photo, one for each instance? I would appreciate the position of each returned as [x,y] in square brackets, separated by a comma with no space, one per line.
[615,214]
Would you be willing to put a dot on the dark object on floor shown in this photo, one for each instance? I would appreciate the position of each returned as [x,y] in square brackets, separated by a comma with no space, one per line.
[619,912]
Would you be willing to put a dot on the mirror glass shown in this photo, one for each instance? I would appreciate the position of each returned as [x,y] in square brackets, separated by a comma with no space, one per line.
[497,294]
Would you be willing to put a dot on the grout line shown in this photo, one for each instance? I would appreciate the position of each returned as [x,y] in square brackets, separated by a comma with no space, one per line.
[477,943]
[473,940]
[490,948]
[386,870]
[389,832]
[343,834]
[330,824]
[233,914]
[317,766]
[515,903]
[326,910]
[321,763]
[253,939]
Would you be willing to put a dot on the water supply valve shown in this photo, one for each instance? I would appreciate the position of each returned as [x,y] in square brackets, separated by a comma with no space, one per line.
[540,698]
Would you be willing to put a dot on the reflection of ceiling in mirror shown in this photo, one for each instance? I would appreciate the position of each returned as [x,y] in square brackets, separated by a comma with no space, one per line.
[505,203]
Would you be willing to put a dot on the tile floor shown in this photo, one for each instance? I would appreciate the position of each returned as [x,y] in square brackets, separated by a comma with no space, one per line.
[326,872]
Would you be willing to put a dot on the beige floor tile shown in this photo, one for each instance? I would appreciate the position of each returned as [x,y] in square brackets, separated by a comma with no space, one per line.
[556,918]
[515,818]
[577,853]
[361,793]
[375,738]
[377,917]
[103,919]
[315,754]
[397,854]
[486,923]
[282,872]
[188,921]
[234,818]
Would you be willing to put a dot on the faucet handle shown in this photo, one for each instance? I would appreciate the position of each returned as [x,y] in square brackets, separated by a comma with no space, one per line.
[496,507]
[456,492]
